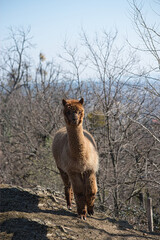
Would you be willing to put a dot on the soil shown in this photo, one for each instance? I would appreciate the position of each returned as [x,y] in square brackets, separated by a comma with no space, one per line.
[41,214]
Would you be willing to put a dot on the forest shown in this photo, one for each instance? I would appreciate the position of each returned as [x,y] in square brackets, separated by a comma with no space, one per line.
[122,112]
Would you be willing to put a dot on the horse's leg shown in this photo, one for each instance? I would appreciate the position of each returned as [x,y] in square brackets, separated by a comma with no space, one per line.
[79,193]
[90,190]
[67,188]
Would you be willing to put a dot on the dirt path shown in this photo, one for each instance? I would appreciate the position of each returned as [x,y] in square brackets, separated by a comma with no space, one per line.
[42,215]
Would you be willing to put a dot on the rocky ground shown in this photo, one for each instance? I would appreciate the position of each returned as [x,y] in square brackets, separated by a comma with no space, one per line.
[41,214]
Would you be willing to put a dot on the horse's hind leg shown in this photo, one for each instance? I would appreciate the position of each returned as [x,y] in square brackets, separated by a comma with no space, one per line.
[67,188]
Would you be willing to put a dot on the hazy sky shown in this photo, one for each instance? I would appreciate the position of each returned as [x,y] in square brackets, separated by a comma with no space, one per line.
[52,21]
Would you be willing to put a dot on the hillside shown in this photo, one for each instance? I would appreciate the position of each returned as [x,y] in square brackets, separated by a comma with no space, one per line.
[41,214]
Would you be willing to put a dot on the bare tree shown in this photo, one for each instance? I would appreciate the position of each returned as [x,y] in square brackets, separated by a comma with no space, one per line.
[29,113]
[15,61]
[121,113]
[117,105]
[113,75]
[149,35]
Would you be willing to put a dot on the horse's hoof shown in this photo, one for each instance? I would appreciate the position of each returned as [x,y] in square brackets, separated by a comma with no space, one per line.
[90,211]
[83,217]
[69,207]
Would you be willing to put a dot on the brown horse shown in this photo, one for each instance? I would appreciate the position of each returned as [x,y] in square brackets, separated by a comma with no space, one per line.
[74,150]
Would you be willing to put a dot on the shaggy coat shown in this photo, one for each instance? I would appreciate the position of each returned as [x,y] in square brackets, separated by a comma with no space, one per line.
[74,151]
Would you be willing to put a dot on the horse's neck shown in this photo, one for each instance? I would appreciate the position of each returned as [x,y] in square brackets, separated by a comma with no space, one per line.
[76,140]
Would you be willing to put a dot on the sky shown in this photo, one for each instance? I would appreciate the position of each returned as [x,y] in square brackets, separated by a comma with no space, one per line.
[52,21]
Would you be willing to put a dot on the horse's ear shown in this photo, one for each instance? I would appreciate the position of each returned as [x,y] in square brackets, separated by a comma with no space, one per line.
[64,102]
[81,101]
